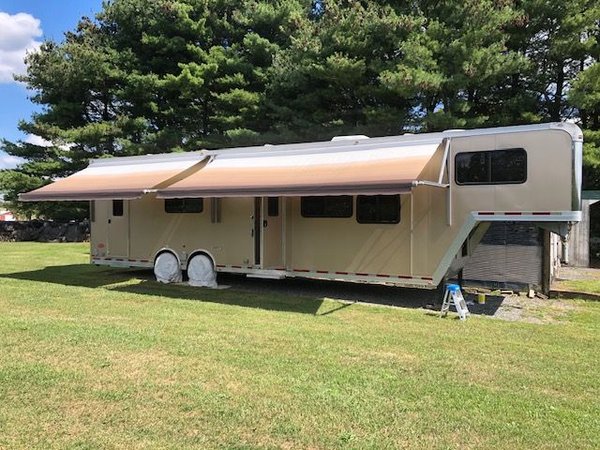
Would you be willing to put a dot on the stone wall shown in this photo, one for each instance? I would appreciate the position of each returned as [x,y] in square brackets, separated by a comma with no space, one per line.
[45,231]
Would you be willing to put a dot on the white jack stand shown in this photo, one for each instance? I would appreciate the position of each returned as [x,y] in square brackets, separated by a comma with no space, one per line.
[453,296]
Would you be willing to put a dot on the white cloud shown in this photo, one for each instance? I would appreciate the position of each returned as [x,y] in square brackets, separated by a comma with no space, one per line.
[37,140]
[9,161]
[18,35]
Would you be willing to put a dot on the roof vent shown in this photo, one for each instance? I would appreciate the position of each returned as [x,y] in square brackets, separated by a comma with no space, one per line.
[353,137]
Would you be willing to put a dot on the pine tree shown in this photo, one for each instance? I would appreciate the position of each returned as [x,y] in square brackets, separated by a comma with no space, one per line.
[557,38]
[453,62]
[327,82]
[585,95]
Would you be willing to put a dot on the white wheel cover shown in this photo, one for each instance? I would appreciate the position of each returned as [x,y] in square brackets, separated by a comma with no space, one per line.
[201,272]
[166,268]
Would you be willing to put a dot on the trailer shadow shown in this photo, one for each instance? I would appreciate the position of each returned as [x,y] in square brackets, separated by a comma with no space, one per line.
[288,295]
[234,297]
[350,293]
[136,281]
[79,275]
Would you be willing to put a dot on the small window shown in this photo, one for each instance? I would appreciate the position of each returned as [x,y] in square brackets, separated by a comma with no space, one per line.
[378,209]
[184,205]
[117,208]
[491,167]
[327,206]
[273,206]
[92,211]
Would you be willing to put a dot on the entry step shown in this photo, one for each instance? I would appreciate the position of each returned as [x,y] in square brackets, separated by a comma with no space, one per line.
[269,274]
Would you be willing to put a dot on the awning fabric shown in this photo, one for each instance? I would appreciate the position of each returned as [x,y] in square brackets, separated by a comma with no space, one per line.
[363,167]
[120,178]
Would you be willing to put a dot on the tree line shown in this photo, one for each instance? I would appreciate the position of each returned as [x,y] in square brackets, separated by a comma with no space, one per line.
[153,76]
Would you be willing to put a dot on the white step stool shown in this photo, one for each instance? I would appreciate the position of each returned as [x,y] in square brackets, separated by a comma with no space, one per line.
[453,296]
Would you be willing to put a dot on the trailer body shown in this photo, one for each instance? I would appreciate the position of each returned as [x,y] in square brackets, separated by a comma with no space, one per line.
[331,210]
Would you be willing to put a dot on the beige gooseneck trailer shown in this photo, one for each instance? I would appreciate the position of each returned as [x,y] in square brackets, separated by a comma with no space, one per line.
[403,210]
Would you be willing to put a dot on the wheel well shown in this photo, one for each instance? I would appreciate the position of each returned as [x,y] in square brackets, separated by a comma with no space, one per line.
[166,250]
[205,253]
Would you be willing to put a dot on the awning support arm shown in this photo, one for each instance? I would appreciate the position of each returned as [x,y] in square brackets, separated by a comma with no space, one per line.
[444,165]
[430,183]
[443,168]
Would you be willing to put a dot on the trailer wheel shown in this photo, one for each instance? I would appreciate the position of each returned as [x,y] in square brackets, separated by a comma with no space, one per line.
[166,268]
[201,272]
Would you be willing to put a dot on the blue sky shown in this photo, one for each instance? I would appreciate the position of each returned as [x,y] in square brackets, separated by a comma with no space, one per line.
[20,30]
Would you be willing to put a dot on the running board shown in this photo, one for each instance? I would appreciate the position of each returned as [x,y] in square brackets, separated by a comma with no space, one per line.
[267,274]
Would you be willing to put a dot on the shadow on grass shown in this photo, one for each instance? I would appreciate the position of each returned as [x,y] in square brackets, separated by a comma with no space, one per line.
[292,294]
[80,275]
[261,300]
[85,275]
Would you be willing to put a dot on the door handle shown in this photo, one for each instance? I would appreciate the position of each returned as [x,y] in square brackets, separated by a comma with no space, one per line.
[109,221]
[264,224]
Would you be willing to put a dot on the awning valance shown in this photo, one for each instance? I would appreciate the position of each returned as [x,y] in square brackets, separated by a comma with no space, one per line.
[361,167]
[120,178]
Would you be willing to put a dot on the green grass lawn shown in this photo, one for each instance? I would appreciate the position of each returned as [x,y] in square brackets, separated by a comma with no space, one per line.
[100,358]
[590,286]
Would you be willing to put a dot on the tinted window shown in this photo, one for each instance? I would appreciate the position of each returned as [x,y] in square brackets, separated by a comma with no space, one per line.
[184,205]
[327,206]
[509,166]
[117,208]
[378,208]
[273,206]
[491,167]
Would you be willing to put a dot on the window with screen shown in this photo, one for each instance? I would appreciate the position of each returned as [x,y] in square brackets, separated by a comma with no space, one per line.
[117,208]
[327,206]
[378,208]
[491,167]
[273,206]
[184,205]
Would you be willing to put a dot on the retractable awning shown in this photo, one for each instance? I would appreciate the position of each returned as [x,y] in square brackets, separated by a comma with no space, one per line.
[120,178]
[369,166]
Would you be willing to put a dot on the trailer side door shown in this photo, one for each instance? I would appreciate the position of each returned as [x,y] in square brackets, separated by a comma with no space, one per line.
[272,232]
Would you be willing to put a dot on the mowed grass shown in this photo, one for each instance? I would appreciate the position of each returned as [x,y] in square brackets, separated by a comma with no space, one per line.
[590,286]
[103,358]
